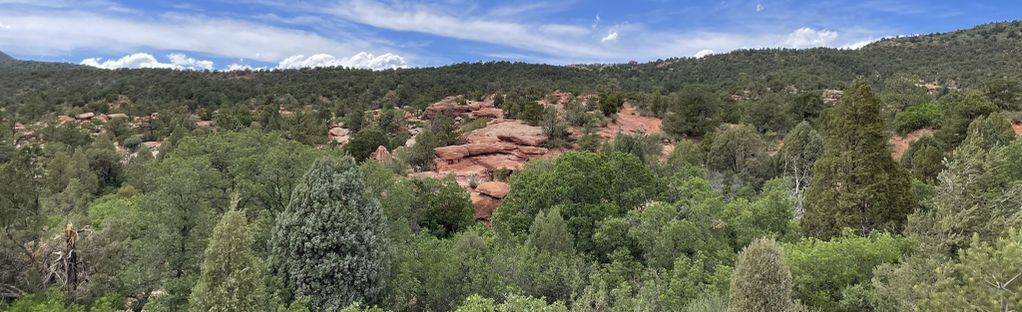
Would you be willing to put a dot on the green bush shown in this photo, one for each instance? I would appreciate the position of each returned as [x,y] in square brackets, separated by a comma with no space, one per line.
[918,117]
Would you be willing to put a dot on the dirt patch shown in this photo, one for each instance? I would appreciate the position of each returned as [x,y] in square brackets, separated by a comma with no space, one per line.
[899,144]
[629,121]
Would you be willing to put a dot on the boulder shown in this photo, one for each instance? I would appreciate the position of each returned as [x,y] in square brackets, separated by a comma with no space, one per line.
[381,154]
[338,131]
[533,150]
[528,140]
[494,189]
[484,206]
[85,116]
[118,115]
[63,119]
[453,152]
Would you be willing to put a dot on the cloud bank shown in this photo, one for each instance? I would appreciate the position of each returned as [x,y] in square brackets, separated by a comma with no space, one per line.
[146,60]
[361,60]
[178,61]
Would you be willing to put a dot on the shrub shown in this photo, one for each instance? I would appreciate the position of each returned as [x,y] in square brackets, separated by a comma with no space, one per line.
[918,117]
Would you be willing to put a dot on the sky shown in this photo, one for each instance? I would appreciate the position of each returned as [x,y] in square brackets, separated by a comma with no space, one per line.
[262,34]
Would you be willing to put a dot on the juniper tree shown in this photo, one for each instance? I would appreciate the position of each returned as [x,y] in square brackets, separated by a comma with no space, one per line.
[856,183]
[761,280]
[330,243]
[232,275]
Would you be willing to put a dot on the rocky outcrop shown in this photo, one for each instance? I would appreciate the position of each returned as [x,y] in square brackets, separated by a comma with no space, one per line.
[527,140]
[472,109]
[85,116]
[339,135]
[484,206]
[449,153]
[494,189]
[381,154]
[489,112]
[63,119]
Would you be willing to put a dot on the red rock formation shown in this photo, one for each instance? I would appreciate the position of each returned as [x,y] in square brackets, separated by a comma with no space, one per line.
[527,140]
[85,116]
[484,206]
[494,189]
[381,154]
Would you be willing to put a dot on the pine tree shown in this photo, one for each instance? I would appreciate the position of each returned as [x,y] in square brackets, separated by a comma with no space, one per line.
[856,183]
[330,243]
[550,233]
[761,280]
[232,275]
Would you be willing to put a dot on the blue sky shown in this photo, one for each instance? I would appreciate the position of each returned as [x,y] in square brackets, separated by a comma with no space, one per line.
[386,34]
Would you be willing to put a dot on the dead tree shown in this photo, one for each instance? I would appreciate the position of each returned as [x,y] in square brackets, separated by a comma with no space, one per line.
[66,267]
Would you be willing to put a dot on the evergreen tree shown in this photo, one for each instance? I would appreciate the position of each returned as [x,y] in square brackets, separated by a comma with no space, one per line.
[232,275]
[856,183]
[330,243]
[761,280]
[924,158]
[550,233]
[693,111]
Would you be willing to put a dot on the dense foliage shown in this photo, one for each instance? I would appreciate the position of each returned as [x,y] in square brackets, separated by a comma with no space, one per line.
[772,186]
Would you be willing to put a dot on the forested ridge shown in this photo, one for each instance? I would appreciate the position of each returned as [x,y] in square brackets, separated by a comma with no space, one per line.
[885,178]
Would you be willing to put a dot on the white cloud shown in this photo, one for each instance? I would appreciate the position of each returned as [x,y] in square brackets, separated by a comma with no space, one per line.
[360,60]
[5,26]
[146,60]
[237,67]
[703,52]
[806,37]
[58,32]
[759,7]
[610,37]
[416,17]
[857,45]
[184,62]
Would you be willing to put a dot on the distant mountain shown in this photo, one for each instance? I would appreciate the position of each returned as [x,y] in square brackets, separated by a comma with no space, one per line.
[6,58]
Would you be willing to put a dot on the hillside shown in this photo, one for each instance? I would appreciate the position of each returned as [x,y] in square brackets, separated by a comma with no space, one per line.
[4,58]
[962,58]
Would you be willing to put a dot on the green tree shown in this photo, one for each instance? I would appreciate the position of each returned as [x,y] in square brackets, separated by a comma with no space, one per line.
[330,243]
[1006,94]
[985,279]
[611,103]
[693,111]
[550,233]
[824,270]
[646,147]
[856,184]
[514,303]
[232,276]
[960,108]
[575,178]
[902,91]
[738,155]
[761,280]
[924,158]
[365,142]
[441,207]
[918,117]
[988,131]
